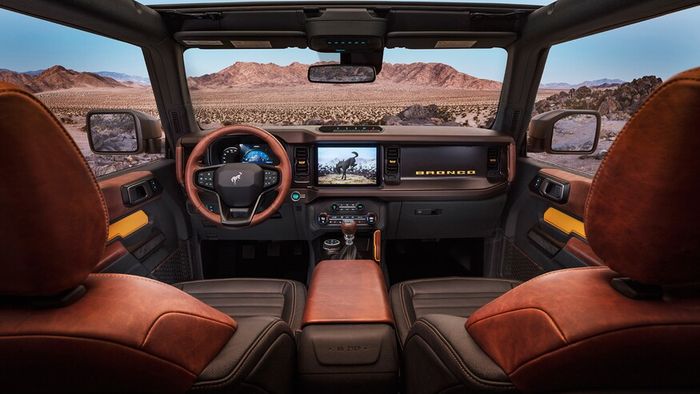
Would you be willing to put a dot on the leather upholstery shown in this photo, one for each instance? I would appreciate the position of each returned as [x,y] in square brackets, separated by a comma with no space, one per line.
[259,358]
[242,298]
[440,358]
[415,299]
[582,251]
[125,333]
[572,329]
[347,291]
[49,196]
[124,326]
[642,213]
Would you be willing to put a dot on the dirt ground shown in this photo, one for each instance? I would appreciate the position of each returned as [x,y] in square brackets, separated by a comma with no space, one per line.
[352,179]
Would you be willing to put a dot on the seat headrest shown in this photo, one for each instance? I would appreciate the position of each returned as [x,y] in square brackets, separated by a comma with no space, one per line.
[643,211]
[54,221]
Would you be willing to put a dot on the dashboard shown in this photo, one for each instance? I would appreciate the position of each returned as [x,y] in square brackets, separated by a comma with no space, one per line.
[409,182]
[392,163]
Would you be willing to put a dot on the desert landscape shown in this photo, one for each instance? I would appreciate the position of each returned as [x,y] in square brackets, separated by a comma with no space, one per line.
[273,95]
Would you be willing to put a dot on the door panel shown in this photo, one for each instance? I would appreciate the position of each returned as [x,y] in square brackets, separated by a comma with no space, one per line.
[544,227]
[148,234]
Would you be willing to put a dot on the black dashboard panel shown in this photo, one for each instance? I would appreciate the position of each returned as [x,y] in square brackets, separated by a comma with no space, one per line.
[443,162]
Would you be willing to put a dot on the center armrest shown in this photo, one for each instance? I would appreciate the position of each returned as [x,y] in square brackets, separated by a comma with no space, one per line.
[347,291]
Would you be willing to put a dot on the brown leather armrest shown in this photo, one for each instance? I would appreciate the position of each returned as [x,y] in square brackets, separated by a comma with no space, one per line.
[347,291]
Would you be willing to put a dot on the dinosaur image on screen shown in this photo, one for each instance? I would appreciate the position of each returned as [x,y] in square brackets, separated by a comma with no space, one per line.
[347,165]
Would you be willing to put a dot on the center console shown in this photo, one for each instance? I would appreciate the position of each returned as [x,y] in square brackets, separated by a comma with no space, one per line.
[348,343]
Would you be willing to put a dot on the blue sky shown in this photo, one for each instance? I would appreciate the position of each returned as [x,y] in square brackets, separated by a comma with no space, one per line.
[663,47]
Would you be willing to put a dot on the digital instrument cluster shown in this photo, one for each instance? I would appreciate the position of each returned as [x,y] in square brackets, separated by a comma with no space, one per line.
[236,150]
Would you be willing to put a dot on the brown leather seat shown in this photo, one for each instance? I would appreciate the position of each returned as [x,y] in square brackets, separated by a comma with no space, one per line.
[65,329]
[456,296]
[634,325]
[253,297]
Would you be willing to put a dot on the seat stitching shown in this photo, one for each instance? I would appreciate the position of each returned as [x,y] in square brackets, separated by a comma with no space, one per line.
[294,294]
[458,360]
[232,375]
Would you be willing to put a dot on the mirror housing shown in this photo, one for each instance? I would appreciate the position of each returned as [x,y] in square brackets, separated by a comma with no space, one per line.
[123,132]
[547,132]
[341,73]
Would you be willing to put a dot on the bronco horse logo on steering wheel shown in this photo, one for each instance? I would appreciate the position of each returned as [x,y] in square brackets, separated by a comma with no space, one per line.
[236,178]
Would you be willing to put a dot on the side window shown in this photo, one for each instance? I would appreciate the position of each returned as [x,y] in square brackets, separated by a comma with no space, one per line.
[73,72]
[613,73]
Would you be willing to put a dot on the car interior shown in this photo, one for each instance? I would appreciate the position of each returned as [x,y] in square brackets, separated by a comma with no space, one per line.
[346,257]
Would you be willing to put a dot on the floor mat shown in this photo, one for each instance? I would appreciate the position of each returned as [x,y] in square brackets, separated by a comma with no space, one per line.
[416,259]
[253,259]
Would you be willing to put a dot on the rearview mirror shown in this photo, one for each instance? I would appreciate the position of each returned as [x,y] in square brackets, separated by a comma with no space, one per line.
[564,131]
[340,73]
[123,132]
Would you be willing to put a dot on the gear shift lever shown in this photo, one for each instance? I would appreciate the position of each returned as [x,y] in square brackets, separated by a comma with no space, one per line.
[349,228]
[349,251]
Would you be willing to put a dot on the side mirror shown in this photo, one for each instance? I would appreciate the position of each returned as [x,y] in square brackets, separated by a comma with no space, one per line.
[341,73]
[565,132]
[123,132]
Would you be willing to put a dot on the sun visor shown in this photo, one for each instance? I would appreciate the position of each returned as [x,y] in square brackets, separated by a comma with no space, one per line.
[447,39]
[241,39]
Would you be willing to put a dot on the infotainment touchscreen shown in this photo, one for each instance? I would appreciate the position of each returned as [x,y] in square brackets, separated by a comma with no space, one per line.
[346,165]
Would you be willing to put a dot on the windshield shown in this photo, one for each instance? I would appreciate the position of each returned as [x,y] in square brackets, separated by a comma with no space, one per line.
[269,87]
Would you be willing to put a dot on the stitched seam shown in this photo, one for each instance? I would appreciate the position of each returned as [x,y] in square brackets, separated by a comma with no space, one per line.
[554,323]
[546,274]
[409,323]
[231,376]
[150,329]
[456,358]
[294,304]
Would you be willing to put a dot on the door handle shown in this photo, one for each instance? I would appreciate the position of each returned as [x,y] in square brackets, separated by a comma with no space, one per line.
[551,189]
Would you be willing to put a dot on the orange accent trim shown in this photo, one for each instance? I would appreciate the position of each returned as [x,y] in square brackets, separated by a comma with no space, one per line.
[377,240]
[564,222]
[128,225]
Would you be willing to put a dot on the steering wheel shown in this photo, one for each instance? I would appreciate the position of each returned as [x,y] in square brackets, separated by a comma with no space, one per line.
[239,187]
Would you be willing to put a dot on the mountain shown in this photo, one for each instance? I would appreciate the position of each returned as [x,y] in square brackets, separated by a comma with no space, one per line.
[58,78]
[598,83]
[121,77]
[616,103]
[250,74]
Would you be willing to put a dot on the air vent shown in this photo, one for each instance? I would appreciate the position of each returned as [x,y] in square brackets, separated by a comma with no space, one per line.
[492,158]
[301,164]
[493,167]
[392,165]
[350,129]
